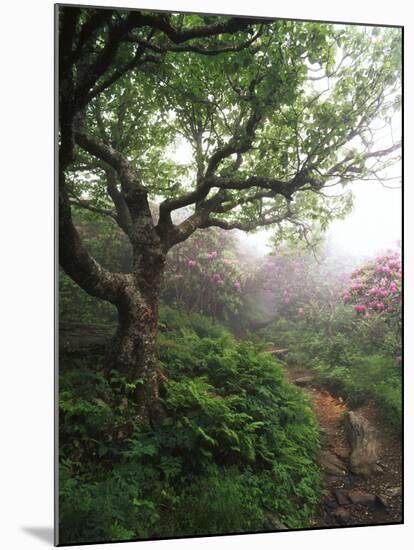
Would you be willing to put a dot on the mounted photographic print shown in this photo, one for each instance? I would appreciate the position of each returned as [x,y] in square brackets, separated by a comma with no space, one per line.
[229,274]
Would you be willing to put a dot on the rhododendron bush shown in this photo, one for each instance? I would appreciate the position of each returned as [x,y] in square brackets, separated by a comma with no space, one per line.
[298,286]
[285,278]
[205,275]
[375,287]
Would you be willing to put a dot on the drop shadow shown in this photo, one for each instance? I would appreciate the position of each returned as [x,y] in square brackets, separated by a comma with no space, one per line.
[43,533]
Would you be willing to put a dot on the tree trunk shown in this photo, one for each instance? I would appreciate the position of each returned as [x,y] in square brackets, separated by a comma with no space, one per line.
[133,348]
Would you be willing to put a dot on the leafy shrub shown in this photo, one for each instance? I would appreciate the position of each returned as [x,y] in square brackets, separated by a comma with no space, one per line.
[237,442]
[110,509]
[375,378]
[223,500]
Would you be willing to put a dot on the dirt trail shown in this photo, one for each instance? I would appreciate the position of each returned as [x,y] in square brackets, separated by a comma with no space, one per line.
[350,499]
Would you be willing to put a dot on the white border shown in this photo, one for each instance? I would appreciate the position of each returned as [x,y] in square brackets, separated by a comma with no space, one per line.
[26,289]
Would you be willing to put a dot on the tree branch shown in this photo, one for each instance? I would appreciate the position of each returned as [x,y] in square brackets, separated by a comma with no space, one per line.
[76,260]
[138,60]
[123,215]
[169,47]
[245,226]
[129,178]
[86,205]
[232,25]
[96,21]
[373,154]
[116,34]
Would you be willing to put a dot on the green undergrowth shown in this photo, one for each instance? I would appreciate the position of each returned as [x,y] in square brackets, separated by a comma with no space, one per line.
[367,378]
[234,451]
[358,365]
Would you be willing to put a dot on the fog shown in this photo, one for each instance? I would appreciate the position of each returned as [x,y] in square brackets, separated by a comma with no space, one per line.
[375,222]
[373,226]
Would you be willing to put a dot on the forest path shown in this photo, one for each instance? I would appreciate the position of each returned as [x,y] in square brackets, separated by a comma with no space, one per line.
[349,499]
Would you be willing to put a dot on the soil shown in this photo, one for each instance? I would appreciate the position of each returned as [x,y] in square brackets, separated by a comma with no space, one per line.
[350,499]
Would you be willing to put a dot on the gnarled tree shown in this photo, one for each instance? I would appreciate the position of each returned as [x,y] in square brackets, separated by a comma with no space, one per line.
[269,114]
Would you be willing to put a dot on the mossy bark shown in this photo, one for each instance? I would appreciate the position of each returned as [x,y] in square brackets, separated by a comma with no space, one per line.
[133,348]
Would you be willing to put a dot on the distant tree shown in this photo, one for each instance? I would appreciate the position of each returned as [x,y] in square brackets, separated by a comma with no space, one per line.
[272,111]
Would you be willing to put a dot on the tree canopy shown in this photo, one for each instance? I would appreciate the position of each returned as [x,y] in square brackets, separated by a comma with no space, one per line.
[272,112]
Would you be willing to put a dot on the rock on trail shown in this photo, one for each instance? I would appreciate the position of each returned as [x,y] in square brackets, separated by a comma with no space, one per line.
[360,461]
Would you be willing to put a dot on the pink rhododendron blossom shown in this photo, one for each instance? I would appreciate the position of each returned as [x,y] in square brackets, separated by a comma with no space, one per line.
[357,286]
[217,279]
[383,269]
[360,308]
[381,292]
[378,306]
[237,285]
[191,263]
[393,287]
[394,264]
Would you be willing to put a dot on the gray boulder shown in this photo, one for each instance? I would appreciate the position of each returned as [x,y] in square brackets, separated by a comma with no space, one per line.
[364,445]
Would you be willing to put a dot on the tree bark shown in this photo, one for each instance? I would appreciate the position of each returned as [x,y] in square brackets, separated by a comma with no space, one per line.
[133,349]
